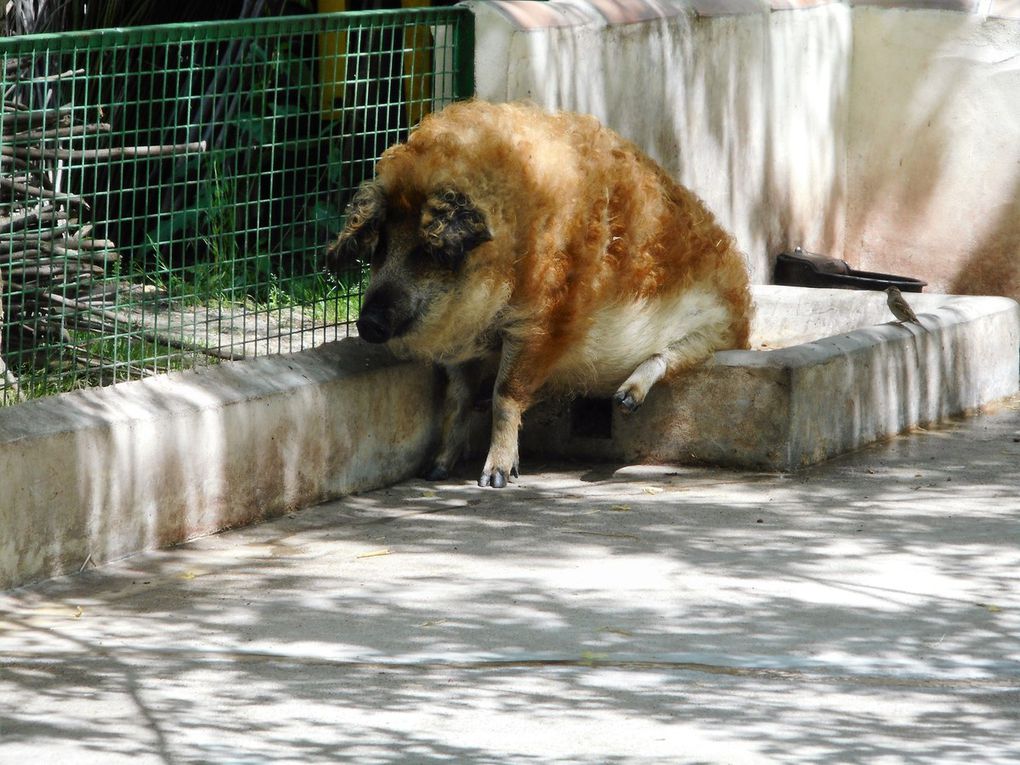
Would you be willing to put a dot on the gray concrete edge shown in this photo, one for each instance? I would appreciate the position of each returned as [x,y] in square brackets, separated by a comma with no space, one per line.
[99,474]
[95,475]
[788,408]
[851,390]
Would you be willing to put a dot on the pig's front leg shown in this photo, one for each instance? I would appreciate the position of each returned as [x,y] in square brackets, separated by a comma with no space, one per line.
[502,461]
[521,374]
[461,384]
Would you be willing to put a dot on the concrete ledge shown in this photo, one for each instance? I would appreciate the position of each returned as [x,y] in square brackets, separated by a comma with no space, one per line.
[791,407]
[98,474]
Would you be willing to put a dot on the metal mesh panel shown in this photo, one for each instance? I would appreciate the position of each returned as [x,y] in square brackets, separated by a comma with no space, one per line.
[166,192]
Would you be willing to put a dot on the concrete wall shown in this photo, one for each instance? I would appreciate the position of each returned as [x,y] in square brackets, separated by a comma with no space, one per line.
[887,136]
[934,153]
[94,475]
[750,110]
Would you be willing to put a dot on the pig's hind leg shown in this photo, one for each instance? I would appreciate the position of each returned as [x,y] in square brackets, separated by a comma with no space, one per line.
[461,387]
[677,357]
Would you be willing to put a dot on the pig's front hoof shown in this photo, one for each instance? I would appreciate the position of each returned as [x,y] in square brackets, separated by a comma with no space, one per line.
[436,473]
[495,473]
[626,401]
[496,479]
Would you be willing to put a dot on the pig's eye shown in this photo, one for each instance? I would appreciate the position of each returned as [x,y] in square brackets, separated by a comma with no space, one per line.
[439,257]
[379,253]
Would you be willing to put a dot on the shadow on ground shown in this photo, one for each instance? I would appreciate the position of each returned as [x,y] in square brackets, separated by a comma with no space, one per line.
[863,610]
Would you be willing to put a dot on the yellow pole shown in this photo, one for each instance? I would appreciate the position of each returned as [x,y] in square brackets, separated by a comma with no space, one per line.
[332,63]
[417,67]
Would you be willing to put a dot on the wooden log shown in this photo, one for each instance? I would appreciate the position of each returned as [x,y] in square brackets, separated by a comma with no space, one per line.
[50,268]
[18,255]
[89,244]
[62,131]
[34,117]
[83,255]
[35,192]
[25,218]
[35,80]
[116,152]
[10,244]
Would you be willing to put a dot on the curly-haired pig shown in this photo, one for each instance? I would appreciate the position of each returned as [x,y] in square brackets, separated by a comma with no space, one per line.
[545,244]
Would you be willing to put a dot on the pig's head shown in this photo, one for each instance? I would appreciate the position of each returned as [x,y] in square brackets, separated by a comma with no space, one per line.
[416,249]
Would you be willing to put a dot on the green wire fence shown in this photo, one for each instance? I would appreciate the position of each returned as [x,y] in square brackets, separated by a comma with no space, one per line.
[166,193]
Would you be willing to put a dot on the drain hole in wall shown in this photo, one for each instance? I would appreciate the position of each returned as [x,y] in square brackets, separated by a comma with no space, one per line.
[591,418]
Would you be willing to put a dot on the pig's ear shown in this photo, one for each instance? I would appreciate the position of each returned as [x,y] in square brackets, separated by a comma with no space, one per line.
[360,236]
[452,226]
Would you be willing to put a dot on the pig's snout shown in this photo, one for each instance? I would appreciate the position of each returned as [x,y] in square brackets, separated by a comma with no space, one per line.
[375,326]
[384,315]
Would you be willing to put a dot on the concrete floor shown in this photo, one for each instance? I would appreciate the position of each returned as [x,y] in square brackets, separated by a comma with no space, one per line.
[866,610]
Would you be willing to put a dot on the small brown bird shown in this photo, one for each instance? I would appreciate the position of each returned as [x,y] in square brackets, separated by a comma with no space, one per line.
[899,306]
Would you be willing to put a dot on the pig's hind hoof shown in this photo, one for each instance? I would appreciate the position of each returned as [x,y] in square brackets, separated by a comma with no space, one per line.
[436,473]
[626,402]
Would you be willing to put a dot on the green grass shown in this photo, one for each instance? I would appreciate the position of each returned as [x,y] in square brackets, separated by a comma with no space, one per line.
[94,358]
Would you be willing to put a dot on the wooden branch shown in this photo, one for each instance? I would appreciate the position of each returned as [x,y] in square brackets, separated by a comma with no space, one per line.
[38,193]
[62,131]
[14,161]
[50,77]
[85,231]
[29,217]
[116,152]
[23,251]
[83,255]
[34,117]
[77,242]
[51,268]
[20,240]
[17,256]
[41,260]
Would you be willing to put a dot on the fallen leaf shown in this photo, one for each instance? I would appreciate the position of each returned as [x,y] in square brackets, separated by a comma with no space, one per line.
[617,631]
[990,607]
[188,575]
[652,490]
[374,553]
[78,611]
[428,494]
[620,508]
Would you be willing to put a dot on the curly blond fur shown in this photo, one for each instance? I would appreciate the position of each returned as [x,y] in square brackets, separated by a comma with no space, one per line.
[597,272]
